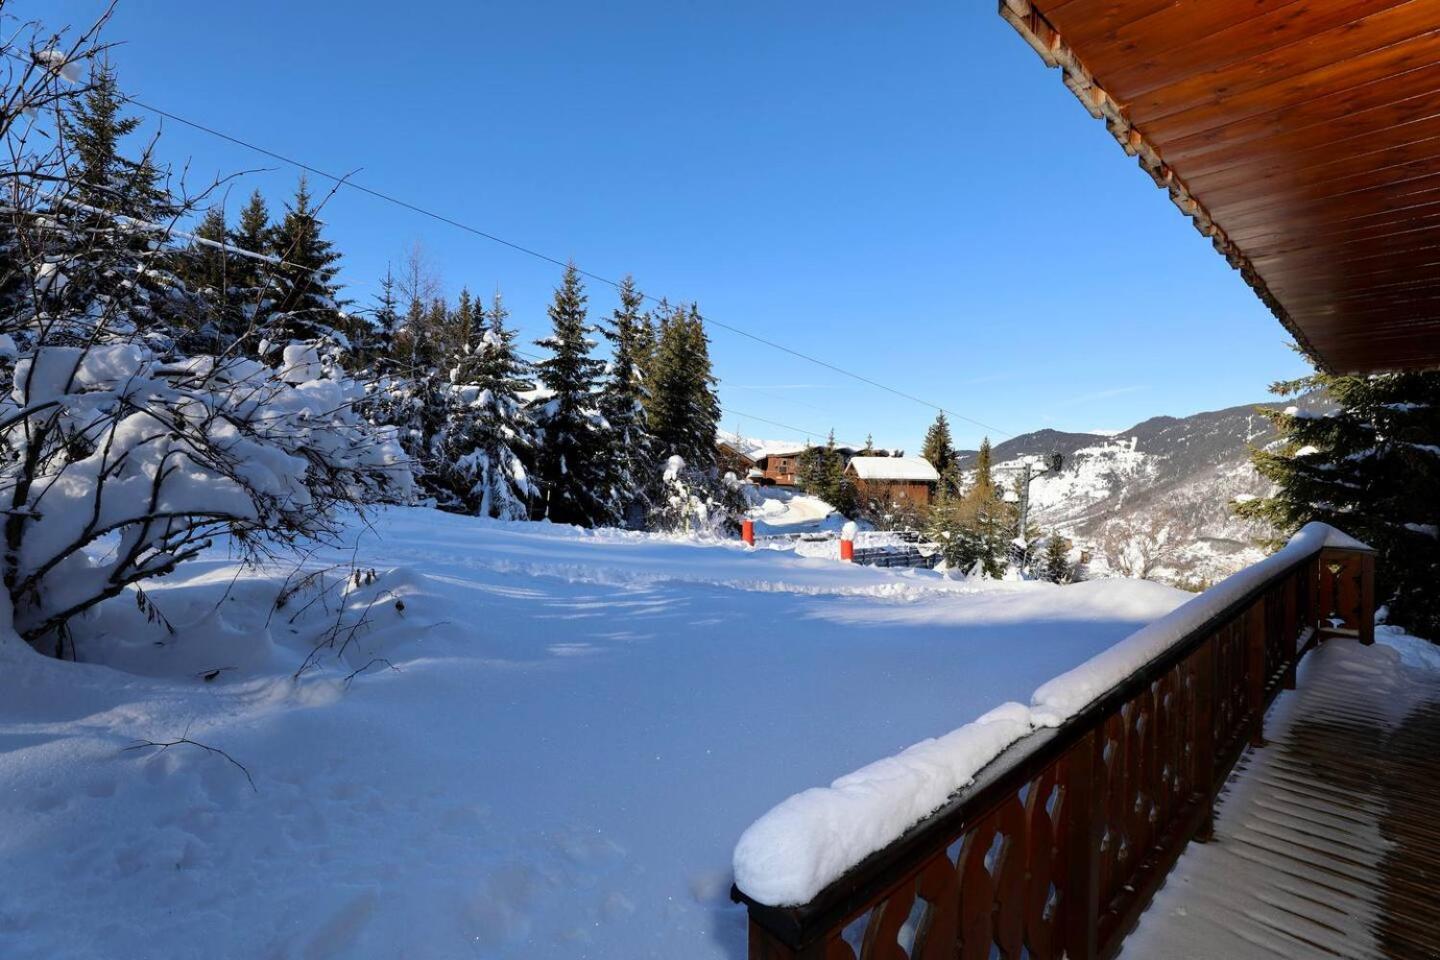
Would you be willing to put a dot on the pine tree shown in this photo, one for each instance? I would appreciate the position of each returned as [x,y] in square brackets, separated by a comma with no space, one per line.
[1370,467]
[208,265]
[573,466]
[984,485]
[939,449]
[822,474]
[112,222]
[205,269]
[622,400]
[372,338]
[1055,565]
[684,412]
[491,436]
[104,179]
[251,285]
[945,524]
[306,306]
[987,519]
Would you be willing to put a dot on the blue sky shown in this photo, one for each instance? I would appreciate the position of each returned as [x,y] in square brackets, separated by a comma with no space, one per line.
[902,190]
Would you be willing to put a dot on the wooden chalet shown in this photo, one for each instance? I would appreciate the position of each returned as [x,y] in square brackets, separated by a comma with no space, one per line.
[779,465]
[909,480]
[1302,139]
[731,459]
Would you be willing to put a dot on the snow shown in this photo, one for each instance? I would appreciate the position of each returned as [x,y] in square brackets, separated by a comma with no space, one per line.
[810,839]
[894,468]
[57,61]
[785,510]
[576,728]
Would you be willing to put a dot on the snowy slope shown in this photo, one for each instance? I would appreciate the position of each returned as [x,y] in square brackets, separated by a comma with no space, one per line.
[576,730]
[1170,478]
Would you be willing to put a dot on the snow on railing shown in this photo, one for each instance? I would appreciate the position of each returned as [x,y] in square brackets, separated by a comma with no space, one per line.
[809,840]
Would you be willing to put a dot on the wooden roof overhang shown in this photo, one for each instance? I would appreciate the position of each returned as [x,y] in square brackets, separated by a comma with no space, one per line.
[1301,136]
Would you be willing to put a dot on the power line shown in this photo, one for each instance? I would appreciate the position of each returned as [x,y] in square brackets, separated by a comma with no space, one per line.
[731,412]
[459,225]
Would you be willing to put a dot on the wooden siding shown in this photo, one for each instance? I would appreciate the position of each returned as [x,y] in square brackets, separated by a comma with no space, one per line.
[1301,136]
[900,491]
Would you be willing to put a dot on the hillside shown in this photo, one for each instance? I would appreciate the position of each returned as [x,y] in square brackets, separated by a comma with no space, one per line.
[1153,499]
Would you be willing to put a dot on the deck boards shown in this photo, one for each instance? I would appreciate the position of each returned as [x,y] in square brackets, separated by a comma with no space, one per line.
[1327,839]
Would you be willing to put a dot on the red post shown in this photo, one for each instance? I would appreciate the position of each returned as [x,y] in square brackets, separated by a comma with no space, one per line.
[847,551]
[747,531]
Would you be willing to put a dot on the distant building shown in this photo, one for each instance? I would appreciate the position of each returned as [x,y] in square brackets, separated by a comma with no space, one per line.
[730,458]
[772,463]
[901,479]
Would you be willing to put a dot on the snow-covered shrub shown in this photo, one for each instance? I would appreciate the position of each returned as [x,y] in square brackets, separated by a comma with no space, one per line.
[697,502]
[120,456]
[118,466]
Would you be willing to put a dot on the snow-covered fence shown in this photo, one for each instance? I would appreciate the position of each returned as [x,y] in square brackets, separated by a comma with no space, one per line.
[1044,830]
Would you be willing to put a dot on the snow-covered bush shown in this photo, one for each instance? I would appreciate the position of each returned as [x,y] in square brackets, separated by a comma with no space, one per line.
[118,466]
[121,457]
[697,502]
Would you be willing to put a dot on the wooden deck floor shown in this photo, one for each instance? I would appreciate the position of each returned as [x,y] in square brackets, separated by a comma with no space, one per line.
[1327,840]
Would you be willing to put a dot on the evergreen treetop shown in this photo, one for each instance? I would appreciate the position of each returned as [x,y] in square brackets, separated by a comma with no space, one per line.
[939,448]
[1371,467]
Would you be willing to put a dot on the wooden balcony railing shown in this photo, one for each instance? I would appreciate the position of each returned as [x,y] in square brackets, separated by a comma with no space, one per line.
[1061,841]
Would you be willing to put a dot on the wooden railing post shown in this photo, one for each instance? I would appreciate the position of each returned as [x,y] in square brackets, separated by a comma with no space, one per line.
[1204,734]
[1084,830]
[1255,670]
[764,946]
[1367,598]
[1290,630]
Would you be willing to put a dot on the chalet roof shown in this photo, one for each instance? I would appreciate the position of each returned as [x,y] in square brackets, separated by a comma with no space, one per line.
[1302,139]
[894,468]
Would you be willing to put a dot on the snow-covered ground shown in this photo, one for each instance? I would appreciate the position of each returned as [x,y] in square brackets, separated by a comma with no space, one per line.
[778,511]
[576,729]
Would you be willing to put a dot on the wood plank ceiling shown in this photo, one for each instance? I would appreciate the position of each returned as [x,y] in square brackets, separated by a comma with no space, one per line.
[1303,138]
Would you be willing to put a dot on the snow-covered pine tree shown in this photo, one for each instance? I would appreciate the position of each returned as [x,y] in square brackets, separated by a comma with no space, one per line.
[205,269]
[306,309]
[697,503]
[386,319]
[573,468]
[683,410]
[622,402]
[490,437]
[252,291]
[111,212]
[1371,467]
[372,332]
[1055,565]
